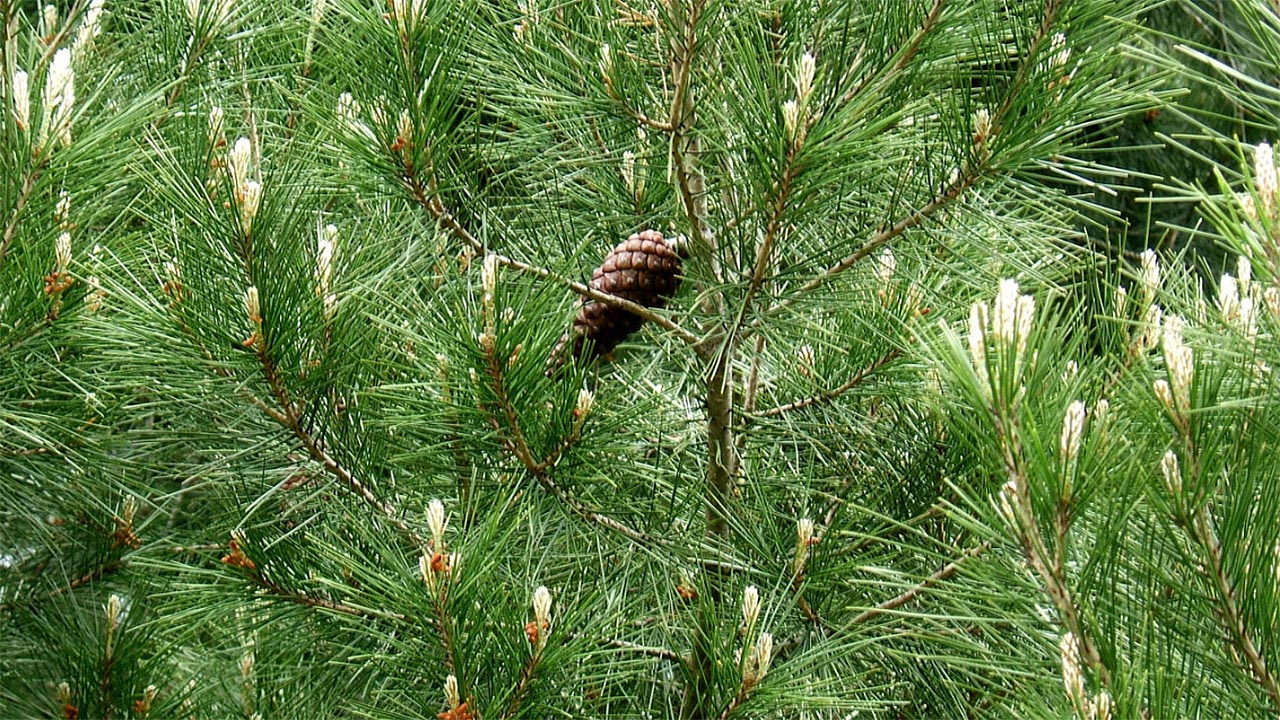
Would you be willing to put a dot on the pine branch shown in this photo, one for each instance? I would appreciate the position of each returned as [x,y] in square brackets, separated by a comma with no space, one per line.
[942,574]
[905,56]
[764,253]
[785,647]
[656,652]
[827,396]
[1198,525]
[289,416]
[279,592]
[809,613]
[184,77]
[735,703]
[522,686]
[541,469]
[771,231]
[55,43]
[1229,609]
[915,218]
[107,568]
[24,196]
[1052,574]
[639,117]
[886,535]
[1048,16]
[969,176]
[444,623]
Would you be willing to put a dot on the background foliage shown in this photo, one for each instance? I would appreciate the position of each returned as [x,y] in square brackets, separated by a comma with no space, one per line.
[923,433]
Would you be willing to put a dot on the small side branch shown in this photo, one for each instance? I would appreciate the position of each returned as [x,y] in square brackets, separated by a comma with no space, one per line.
[279,592]
[522,687]
[827,396]
[55,43]
[1027,529]
[288,415]
[541,469]
[639,117]
[443,621]
[657,652]
[969,175]
[24,196]
[1229,609]
[772,229]
[90,576]
[915,591]
[874,243]
[907,54]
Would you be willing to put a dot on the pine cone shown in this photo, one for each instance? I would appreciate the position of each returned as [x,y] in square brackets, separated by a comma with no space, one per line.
[645,269]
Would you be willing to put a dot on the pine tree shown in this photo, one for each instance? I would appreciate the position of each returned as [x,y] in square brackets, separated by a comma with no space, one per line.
[312,407]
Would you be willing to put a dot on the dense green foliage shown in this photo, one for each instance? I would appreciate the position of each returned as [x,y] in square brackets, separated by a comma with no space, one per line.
[917,437]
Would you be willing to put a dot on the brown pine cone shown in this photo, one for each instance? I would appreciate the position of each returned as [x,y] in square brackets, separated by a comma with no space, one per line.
[645,269]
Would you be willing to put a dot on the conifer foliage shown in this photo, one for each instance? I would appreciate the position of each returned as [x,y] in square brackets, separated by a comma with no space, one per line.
[312,406]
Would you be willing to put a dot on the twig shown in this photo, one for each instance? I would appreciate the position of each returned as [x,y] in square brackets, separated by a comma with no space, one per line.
[300,598]
[827,396]
[909,524]
[1230,610]
[24,196]
[8,40]
[540,469]
[1199,526]
[440,608]
[969,176]
[636,115]
[872,244]
[764,252]
[908,52]
[943,573]
[289,415]
[290,418]
[251,120]
[1027,530]
[518,445]
[809,613]
[658,652]
[106,568]
[56,41]
[722,455]
[522,687]
[735,703]
[184,76]
[1051,8]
